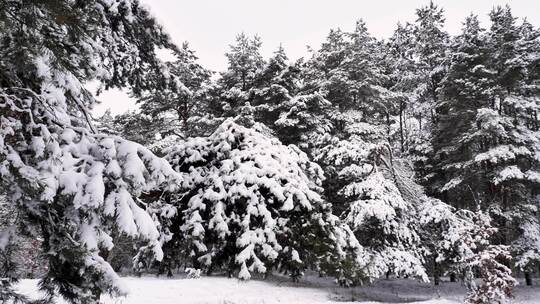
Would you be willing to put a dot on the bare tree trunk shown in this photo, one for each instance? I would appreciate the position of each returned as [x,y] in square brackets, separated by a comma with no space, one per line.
[436,273]
[528,279]
[401,126]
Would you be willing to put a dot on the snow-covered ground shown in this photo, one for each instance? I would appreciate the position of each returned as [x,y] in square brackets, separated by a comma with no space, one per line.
[220,290]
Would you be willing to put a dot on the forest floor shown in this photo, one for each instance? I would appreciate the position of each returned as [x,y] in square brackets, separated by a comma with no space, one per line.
[310,290]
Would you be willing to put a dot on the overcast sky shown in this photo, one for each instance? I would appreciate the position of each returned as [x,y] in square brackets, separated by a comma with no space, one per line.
[211,25]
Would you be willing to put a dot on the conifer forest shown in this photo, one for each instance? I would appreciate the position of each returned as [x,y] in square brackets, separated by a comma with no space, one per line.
[413,159]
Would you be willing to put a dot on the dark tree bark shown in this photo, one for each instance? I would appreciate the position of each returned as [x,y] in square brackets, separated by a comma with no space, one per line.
[528,279]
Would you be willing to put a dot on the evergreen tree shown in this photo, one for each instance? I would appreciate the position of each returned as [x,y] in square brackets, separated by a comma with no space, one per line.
[246,204]
[467,87]
[483,145]
[180,109]
[430,43]
[357,158]
[503,40]
[281,102]
[231,91]
[402,82]
[274,85]
[512,155]
[344,71]
[70,185]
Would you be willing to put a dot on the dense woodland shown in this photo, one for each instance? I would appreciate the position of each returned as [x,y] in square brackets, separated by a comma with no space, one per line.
[416,156]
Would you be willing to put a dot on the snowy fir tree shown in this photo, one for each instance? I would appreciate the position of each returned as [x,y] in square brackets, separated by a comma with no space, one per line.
[68,184]
[402,81]
[422,48]
[246,204]
[467,87]
[485,141]
[230,93]
[180,109]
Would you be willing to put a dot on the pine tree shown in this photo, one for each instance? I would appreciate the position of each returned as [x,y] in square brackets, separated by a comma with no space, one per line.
[511,156]
[345,73]
[460,241]
[69,184]
[483,144]
[467,87]
[281,103]
[231,90]
[180,109]
[430,43]
[503,38]
[274,85]
[402,82]
[357,158]
[246,204]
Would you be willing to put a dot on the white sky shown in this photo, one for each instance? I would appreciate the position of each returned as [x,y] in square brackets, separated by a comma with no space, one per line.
[211,25]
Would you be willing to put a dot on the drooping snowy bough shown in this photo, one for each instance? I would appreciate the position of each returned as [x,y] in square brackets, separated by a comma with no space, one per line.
[71,187]
[246,204]
[376,205]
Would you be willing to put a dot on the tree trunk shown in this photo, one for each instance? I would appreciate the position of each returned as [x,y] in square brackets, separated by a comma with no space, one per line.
[504,209]
[436,274]
[453,277]
[528,279]
[401,126]
[387,123]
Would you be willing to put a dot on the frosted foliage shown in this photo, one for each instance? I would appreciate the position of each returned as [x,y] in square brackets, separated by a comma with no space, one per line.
[249,186]
[517,143]
[463,241]
[71,185]
[528,244]
[380,210]
[91,174]
[459,237]
[497,281]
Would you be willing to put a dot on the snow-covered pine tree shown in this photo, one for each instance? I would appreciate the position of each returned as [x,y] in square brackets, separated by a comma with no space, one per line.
[497,280]
[503,38]
[247,204]
[357,158]
[485,144]
[273,88]
[280,101]
[430,43]
[382,217]
[344,72]
[230,93]
[106,123]
[134,126]
[69,185]
[467,87]
[460,241]
[403,80]
[529,54]
[513,155]
[181,109]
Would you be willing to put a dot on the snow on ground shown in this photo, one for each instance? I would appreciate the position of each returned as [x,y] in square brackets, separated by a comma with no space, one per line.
[220,290]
